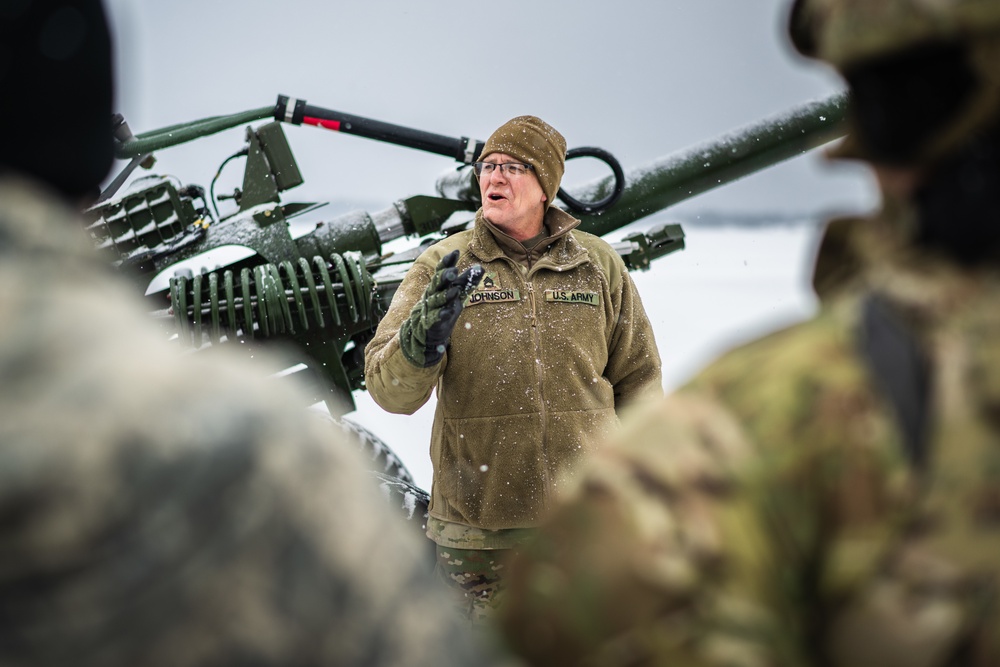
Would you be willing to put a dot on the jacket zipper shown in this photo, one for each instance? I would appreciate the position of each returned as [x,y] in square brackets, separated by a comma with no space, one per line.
[539,365]
[540,374]
[537,342]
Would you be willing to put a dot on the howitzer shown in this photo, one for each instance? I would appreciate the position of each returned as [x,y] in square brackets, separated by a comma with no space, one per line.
[321,293]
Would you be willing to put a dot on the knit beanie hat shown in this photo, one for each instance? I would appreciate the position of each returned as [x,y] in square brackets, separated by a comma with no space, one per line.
[534,142]
[56,77]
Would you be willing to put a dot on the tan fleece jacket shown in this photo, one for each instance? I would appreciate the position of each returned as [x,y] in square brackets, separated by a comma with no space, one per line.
[538,364]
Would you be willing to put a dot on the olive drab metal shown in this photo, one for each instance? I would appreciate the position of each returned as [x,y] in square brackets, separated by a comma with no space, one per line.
[321,294]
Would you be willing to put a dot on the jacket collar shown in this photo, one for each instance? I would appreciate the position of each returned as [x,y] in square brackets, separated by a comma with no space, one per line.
[858,255]
[489,243]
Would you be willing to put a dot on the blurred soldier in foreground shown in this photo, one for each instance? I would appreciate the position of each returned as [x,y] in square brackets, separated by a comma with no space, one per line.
[829,494]
[160,509]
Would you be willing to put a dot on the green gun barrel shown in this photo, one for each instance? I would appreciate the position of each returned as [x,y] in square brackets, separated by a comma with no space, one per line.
[716,162]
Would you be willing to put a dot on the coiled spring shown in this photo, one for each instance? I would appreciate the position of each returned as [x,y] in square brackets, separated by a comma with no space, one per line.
[273,299]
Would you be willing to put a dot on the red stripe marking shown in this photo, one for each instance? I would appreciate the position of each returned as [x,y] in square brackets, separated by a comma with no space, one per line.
[319,122]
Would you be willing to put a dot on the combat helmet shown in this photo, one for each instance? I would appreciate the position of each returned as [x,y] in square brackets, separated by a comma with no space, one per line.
[924,74]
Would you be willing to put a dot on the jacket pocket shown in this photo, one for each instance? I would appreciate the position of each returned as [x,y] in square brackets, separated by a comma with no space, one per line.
[492,471]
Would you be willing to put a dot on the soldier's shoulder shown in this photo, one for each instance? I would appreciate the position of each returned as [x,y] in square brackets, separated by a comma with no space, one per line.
[34,218]
[810,350]
[688,437]
[803,384]
[594,244]
[602,254]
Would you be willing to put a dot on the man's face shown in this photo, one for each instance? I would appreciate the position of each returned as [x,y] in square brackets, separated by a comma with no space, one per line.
[515,204]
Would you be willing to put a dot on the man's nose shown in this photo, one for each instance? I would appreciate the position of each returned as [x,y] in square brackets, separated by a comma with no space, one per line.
[497,174]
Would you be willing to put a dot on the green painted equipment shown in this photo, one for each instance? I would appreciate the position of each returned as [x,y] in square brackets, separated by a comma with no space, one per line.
[319,295]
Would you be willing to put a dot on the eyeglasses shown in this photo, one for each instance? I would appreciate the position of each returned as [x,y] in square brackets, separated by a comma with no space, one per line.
[506,168]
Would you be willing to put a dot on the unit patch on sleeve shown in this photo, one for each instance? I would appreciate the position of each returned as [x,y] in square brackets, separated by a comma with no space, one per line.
[567,296]
[490,292]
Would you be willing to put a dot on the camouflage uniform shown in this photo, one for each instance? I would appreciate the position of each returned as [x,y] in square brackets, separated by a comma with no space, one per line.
[162,509]
[782,509]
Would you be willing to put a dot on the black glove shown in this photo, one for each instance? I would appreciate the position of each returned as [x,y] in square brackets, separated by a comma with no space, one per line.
[424,336]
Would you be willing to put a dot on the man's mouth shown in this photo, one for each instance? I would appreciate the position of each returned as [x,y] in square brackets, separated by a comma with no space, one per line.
[493,196]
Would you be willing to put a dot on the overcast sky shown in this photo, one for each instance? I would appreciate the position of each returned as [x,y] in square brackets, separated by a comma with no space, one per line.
[640,79]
